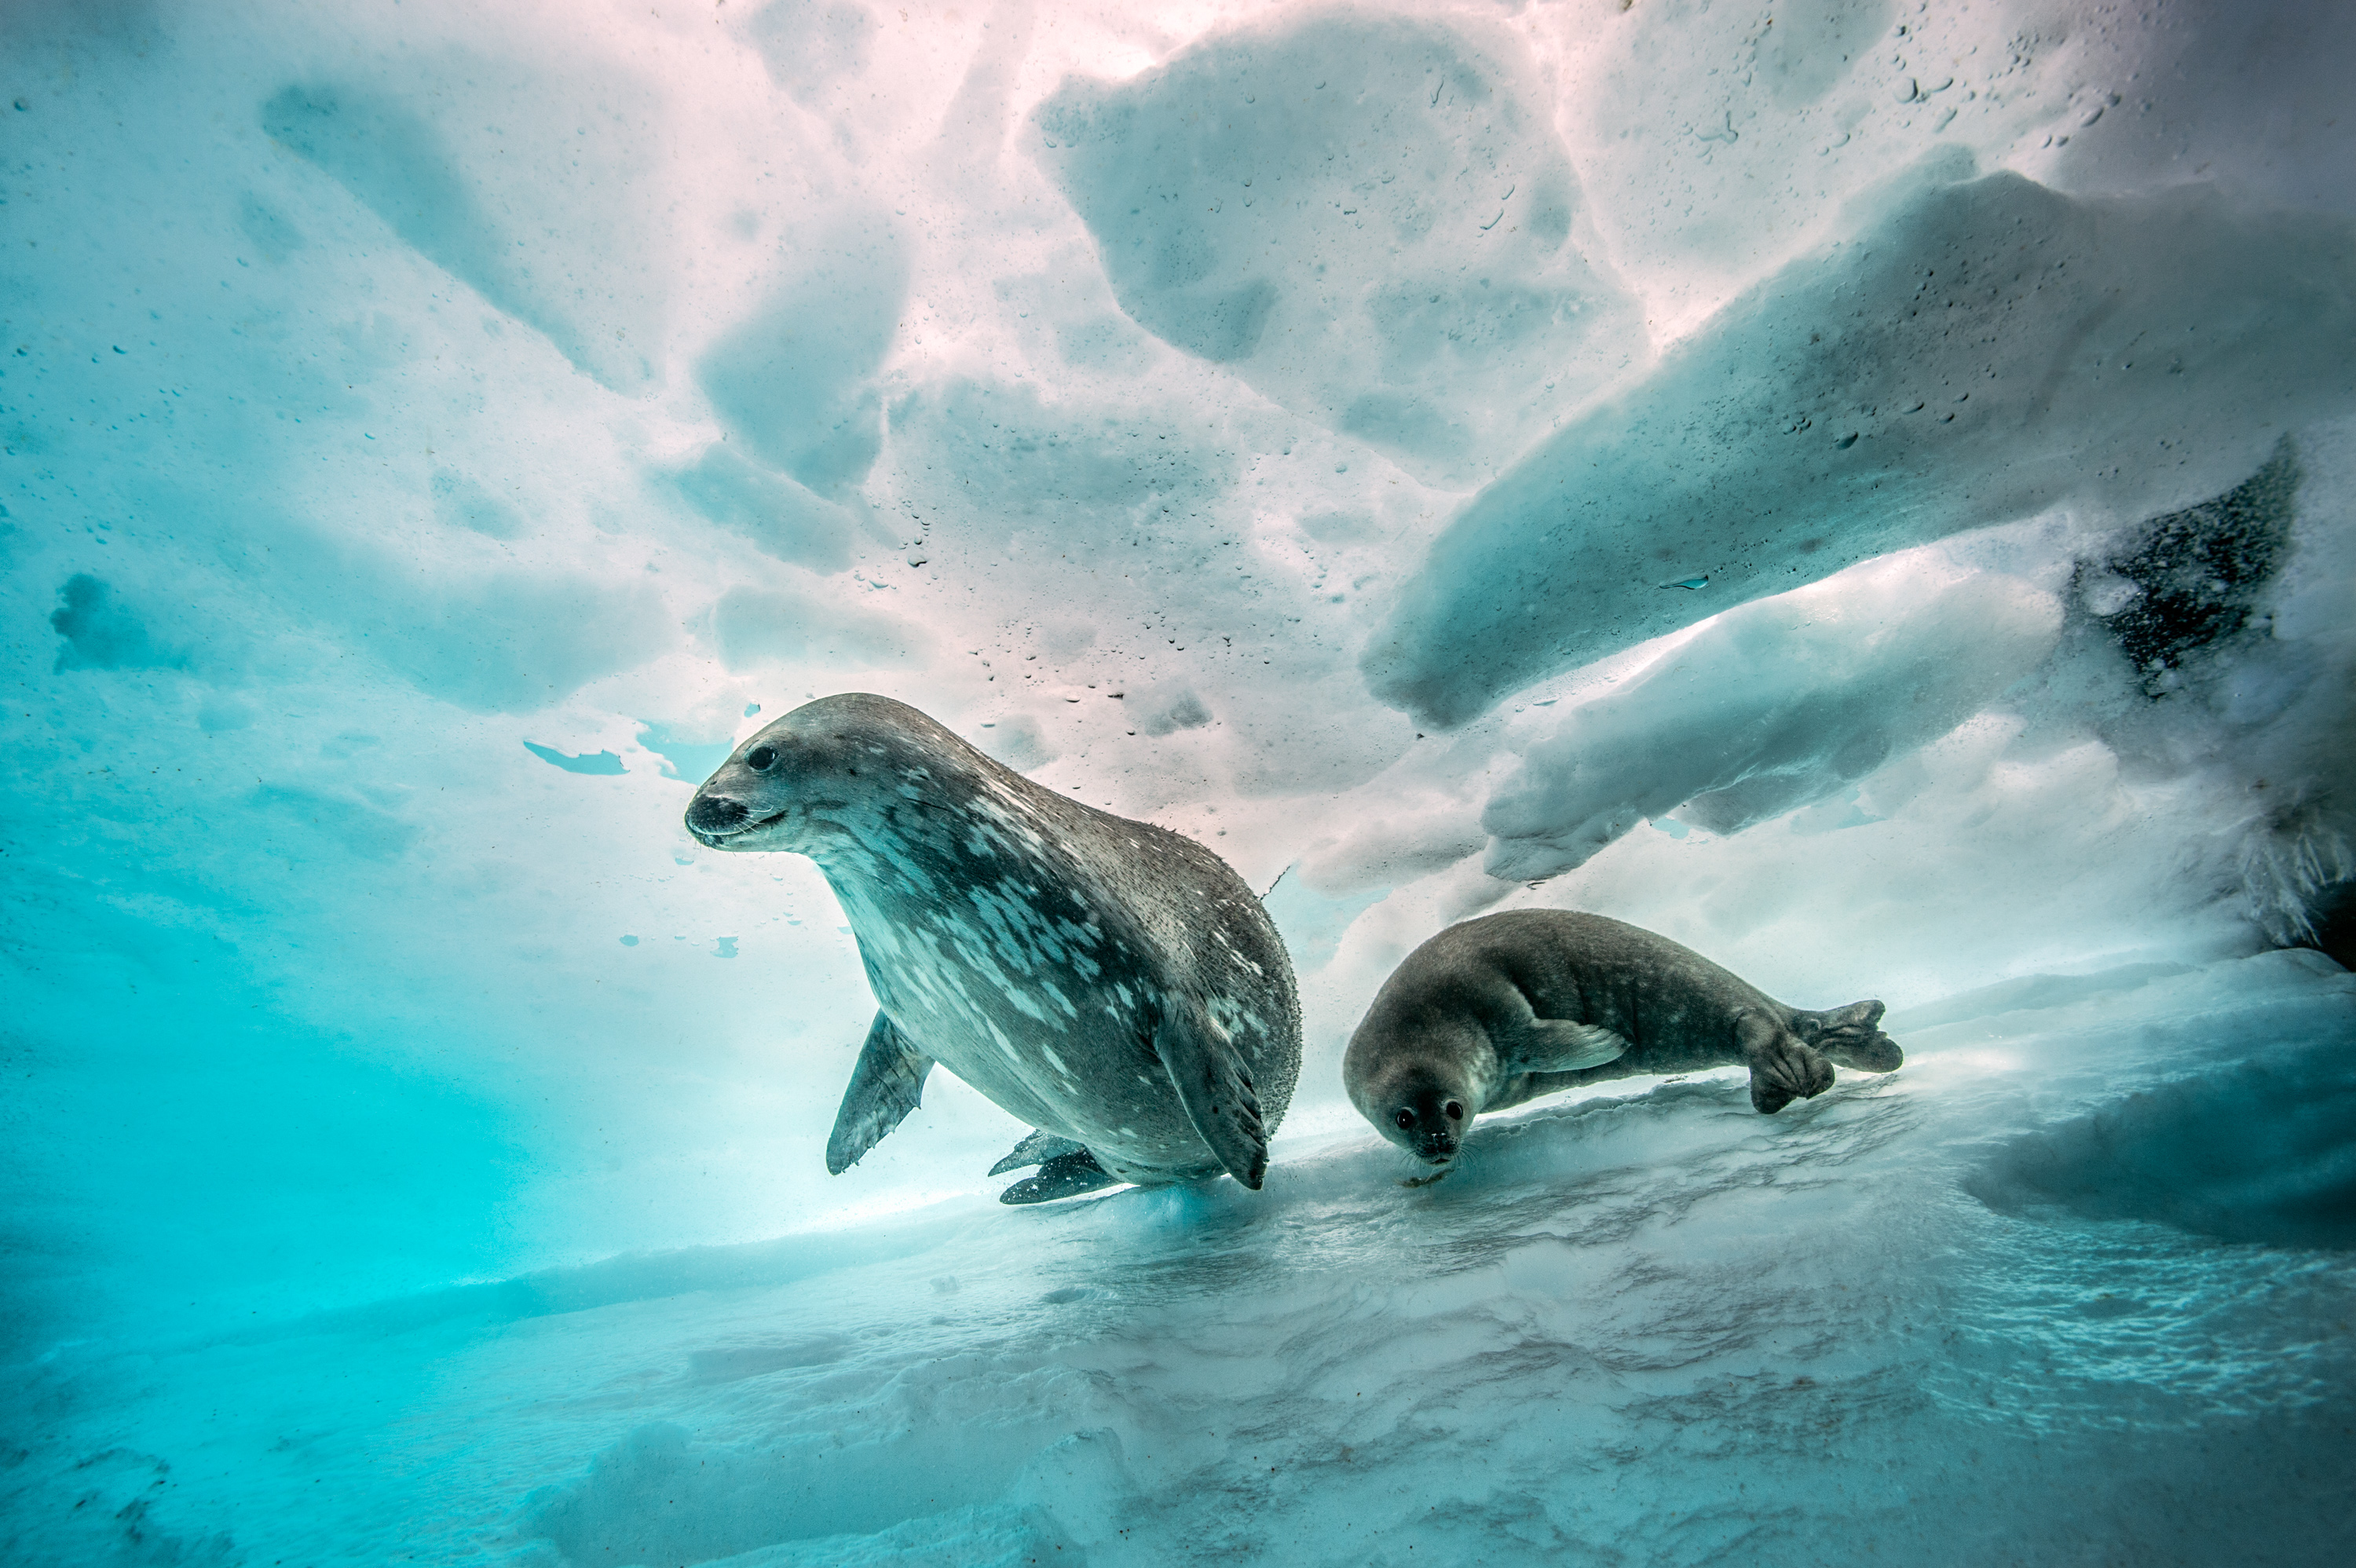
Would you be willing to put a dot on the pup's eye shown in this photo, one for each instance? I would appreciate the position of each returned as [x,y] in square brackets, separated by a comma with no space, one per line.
[1455,1110]
[762,759]
[1405,1120]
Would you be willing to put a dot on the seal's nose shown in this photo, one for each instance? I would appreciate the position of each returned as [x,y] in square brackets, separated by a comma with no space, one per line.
[1438,1148]
[716,815]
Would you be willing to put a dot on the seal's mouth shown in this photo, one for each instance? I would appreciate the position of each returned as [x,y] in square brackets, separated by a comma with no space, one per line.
[721,840]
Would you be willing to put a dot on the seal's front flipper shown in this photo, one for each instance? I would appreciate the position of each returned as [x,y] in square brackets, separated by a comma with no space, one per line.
[1062,1177]
[1783,1067]
[1849,1036]
[1214,1085]
[1037,1149]
[1558,1045]
[884,1087]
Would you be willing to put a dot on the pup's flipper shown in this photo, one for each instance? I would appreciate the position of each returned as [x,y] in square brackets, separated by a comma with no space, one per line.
[1062,1177]
[1783,1068]
[1849,1036]
[1037,1149]
[885,1086]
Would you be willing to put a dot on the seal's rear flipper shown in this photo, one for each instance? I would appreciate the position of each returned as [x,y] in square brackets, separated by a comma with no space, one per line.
[1062,1177]
[1036,1149]
[884,1087]
[1783,1067]
[1214,1085]
[1848,1036]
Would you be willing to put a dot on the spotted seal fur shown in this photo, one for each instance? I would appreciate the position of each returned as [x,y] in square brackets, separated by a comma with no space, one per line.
[1111,983]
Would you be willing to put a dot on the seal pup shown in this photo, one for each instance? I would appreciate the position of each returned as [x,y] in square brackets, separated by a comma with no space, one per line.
[1111,983]
[1502,1010]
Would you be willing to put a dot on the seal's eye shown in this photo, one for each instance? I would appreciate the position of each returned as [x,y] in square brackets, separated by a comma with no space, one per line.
[762,759]
[1455,1110]
[1406,1121]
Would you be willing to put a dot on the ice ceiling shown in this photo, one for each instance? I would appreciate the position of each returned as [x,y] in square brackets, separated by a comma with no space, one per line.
[1861,487]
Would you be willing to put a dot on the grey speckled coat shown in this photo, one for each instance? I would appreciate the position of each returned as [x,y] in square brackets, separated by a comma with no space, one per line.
[1111,983]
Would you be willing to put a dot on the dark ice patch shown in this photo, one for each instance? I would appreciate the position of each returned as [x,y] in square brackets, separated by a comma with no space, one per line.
[586,763]
[2261,1151]
[102,632]
[2199,573]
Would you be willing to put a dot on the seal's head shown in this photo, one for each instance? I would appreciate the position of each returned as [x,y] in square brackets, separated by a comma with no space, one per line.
[1429,1121]
[1419,1104]
[817,772]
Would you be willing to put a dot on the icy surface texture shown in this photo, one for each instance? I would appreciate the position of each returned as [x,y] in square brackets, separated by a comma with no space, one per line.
[1971,357]
[1650,1326]
[1863,488]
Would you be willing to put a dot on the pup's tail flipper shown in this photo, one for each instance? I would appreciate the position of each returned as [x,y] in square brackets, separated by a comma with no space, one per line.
[1850,1036]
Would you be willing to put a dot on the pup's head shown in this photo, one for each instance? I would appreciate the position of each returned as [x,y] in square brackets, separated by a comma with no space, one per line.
[1414,1097]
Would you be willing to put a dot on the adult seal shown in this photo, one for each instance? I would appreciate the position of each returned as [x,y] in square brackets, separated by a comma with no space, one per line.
[1113,984]
[1502,1010]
